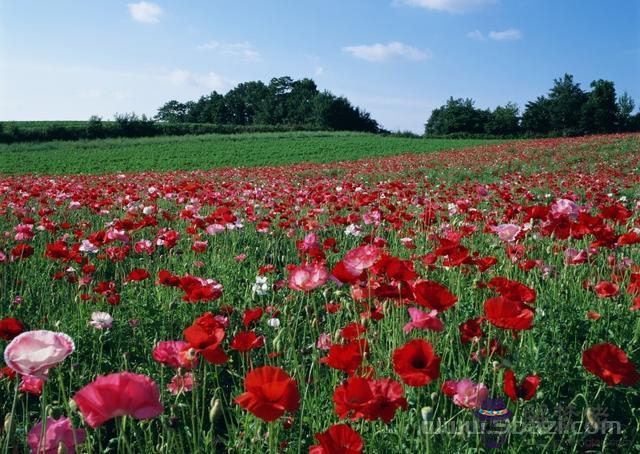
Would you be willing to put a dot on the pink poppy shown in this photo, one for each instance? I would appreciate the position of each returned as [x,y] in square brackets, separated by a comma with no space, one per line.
[175,354]
[58,432]
[507,232]
[31,385]
[469,394]
[565,208]
[35,352]
[181,383]
[121,393]
[308,277]
[423,320]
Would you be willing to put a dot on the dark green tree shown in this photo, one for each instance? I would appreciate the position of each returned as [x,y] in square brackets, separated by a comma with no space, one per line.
[536,118]
[504,120]
[457,116]
[172,112]
[600,112]
[625,109]
[566,99]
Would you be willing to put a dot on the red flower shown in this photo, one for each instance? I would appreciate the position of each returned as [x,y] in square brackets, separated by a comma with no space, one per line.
[251,315]
[22,251]
[119,394]
[512,290]
[205,335]
[338,439]
[346,358]
[246,340]
[10,327]
[606,289]
[353,331]
[433,295]
[611,364]
[507,314]
[369,399]
[471,330]
[138,274]
[269,392]
[525,391]
[416,363]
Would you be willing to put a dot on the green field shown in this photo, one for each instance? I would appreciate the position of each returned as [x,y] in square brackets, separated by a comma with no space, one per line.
[208,151]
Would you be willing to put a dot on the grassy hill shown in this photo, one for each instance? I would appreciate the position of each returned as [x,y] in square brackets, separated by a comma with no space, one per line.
[208,151]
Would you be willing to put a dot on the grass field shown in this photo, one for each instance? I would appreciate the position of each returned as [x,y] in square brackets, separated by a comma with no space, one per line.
[208,151]
[374,304]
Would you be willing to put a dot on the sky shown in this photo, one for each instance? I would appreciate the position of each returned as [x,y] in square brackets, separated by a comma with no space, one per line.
[397,59]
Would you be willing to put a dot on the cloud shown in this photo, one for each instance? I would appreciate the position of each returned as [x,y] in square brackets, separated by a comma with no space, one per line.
[450,6]
[244,50]
[382,52]
[476,34]
[145,12]
[209,81]
[511,34]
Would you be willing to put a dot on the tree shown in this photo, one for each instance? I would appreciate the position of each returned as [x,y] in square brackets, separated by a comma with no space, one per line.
[172,112]
[600,112]
[457,116]
[566,99]
[625,108]
[504,120]
[536,118]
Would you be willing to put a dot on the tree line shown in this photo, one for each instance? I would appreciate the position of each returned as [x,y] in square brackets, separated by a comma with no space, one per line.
[283,102]
[566,110]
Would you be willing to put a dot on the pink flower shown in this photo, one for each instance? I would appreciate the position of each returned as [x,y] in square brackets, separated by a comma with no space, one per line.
[507,232]
[308,277]
[181,383]
[58,432]
[240,257]
[565,207]
[175,354]
[35,352]
[31,385]
[469,395]
[361,258]
[423,320]
[122,393]
[324,341]
[101,320]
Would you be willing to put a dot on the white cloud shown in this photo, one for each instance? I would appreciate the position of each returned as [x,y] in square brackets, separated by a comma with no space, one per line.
[145,12]
[382,52]
[511,34]
[450,6]
[244,50]
[476,34]
[318,71]
[209,81]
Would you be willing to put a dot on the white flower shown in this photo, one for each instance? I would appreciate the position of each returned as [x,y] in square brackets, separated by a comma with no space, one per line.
[101,320]
[88,246]
[274,323]
[353,230]
[261,287]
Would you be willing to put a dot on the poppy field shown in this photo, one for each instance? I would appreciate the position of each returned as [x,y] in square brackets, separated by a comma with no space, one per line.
[450,301]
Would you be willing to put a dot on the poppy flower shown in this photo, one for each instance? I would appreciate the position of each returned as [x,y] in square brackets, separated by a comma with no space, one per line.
[181,383]
[10,327]
[512,290]
[175,354]
[423,320]
[360,397]
[246,340]
[507,232]
[138,274]
[606,289]
[338,439]
[469,394]
[30,384]
[251,315]
[269,392]
[508,314]
[433,295]
[611,364]
[471,330]
[206,334]
[347,357]
[118,394]
[35,352]
[308,277]
[416,363]
[525,390]
[58,433]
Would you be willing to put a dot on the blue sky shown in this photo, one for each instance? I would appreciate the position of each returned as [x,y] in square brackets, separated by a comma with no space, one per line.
[398,59]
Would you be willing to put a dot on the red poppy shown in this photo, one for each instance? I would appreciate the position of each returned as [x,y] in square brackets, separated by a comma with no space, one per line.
[611,364]
[22,251]
[369,399]
[10,327]
[353,331]
[246,340]
[347,357]
[416,363]
[433,295]
[269,392]
[606,289]
[471,330]
[206,335]
[251,315]
[138,274]
[507,314]
[338,439]
[525,390]
[512,290]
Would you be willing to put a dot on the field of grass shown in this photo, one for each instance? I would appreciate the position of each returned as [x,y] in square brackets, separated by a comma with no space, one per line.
[209,151]
[374,304]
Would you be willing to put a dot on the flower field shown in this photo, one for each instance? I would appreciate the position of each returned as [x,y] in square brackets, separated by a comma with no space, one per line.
[450,301]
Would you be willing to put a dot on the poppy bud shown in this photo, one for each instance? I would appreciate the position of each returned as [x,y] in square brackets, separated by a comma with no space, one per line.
[62,449]
[434,396]
[426,413]
[593,421]
[216,409]
[8,419]
[72,405]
